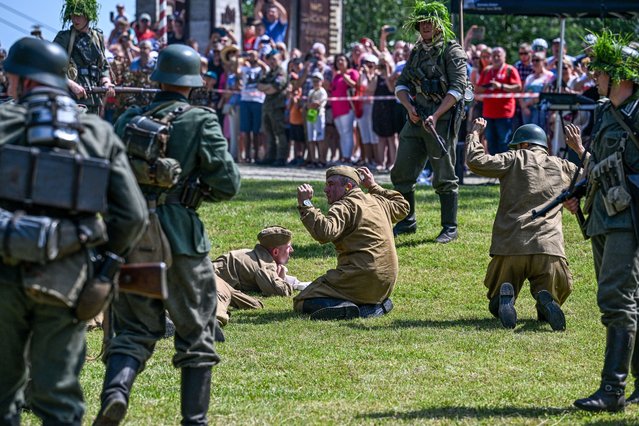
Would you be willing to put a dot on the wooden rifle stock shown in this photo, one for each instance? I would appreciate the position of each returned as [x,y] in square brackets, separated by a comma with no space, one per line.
[144,279]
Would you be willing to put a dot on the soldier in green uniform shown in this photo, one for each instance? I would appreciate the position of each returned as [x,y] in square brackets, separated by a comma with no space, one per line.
[431,88]
[612,164]
[273,84]
[87,67]
[207,173]
[40,303]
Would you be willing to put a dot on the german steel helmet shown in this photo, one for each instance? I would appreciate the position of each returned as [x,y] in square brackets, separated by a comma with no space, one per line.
[38,60]
[178,65]
[529,133]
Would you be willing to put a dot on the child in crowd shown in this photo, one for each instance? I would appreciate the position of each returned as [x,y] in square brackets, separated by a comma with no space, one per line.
[315,122]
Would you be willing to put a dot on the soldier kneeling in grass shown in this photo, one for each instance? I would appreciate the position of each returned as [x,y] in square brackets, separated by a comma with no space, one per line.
[525,248]
[360,225]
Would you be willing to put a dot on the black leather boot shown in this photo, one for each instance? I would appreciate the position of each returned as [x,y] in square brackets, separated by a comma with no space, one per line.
[634,368]
[118,381]
[493,306]
[408,225]
[448,206]
[610,396]
[506,310]
[195,391]
[550,311]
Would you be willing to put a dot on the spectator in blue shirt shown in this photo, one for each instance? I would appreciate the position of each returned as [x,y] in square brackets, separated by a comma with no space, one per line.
[275,21]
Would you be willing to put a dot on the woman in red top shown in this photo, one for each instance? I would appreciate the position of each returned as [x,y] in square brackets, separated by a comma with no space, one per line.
[344,78]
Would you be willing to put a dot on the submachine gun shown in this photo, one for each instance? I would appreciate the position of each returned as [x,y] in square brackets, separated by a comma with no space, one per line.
[577,190]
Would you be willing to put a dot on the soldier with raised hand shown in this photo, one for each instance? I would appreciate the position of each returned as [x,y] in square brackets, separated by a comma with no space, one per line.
[199,169]
[431,88]
[611,205]
[87,65]
[48,151]
[360,225]
[523,248]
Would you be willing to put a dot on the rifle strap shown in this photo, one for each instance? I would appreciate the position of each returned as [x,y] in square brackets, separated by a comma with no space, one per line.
[623,122]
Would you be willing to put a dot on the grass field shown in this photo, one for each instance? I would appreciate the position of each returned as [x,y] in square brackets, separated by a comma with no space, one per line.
[438,358]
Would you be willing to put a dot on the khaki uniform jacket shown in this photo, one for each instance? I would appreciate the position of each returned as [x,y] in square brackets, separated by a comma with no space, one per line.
[198,144]
[360,226]
[529,179]
[252,270]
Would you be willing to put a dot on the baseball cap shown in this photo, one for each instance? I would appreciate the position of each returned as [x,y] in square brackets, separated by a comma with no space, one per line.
[145,17]
[318,75]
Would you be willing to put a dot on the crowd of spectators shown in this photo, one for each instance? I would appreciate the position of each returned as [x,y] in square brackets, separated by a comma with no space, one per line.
[324,126]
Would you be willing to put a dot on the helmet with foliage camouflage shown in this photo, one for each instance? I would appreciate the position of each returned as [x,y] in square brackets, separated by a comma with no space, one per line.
[611,55]
[179,65]
[529,133]
[433,11]
[87,8]
[38,60]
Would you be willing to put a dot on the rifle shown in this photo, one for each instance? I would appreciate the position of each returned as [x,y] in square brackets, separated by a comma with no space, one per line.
[144,279]
[119,89]
[577,190]
[430,128]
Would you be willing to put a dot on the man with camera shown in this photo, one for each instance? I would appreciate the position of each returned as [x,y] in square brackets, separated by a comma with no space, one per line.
[187,163]
[60,252]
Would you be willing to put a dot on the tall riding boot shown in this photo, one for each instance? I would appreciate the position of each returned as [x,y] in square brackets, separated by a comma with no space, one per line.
[448,205]
[118,381]
[408,225]
[195,395]
[634,368]
[610,396]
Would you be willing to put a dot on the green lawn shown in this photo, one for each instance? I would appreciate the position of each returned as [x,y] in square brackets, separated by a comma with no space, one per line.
[438,358]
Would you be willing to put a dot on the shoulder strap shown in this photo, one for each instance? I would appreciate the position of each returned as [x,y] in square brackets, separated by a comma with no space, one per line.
[70,46]
[623,122]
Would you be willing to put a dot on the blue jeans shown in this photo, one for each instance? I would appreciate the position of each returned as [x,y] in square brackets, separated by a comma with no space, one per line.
[498,131]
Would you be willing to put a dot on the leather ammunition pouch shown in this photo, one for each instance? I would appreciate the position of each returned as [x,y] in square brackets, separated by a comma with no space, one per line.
[611,178]
[53,179]
[146,140]
[41,239]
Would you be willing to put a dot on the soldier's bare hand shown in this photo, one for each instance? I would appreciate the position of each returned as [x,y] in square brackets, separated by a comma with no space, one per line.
[479,125]
[573,138]
[366,176]
[412,115]
[110,92]
[572,205]
[77,90]
[304,192]
[431,120]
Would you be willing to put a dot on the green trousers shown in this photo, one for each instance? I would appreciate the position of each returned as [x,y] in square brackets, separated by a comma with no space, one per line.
[273,120]
[416,146]
[139,322]
[616,258]
[45,343]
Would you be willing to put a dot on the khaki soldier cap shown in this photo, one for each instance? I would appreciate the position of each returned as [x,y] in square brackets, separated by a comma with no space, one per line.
[347,171]
[274,236]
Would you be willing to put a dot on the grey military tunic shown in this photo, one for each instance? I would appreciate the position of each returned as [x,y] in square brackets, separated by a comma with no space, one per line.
[614,244]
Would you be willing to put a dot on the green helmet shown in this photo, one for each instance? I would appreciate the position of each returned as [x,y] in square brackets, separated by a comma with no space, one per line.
[178,65]
[38,60]
[529,133]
